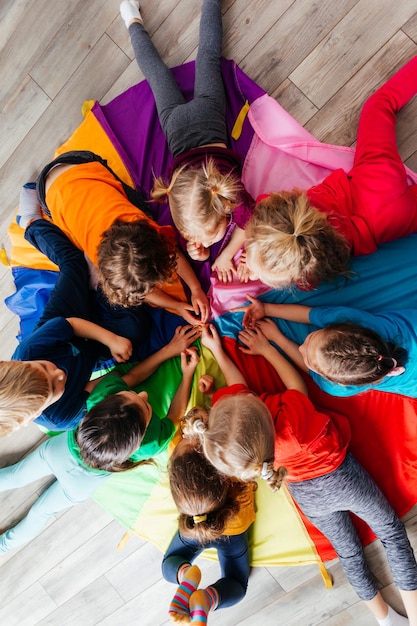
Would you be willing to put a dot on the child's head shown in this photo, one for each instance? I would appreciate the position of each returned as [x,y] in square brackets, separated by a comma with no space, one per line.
[349,354]
[27,389]
[201,201]
[133,257]
[113,429]
[205,499]
[238,439]
[291,242]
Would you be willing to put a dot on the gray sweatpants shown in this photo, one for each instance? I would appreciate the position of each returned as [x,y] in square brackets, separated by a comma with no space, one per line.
[201,121]
[327,500]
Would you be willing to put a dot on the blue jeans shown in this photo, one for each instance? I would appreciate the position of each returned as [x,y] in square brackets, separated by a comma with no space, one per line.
[72,296]
[73,484]
[233,553]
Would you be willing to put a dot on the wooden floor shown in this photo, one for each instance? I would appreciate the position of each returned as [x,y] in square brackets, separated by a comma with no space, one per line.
[320,59]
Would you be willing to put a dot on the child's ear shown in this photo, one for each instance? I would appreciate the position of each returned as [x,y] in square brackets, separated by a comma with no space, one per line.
[396,371]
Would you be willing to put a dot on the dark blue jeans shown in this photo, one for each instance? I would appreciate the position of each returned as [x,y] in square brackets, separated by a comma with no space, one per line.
[233,553]
[72,296]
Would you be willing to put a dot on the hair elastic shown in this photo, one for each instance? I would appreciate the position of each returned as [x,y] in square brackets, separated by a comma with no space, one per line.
[266,473]
[197,519]
[199,426]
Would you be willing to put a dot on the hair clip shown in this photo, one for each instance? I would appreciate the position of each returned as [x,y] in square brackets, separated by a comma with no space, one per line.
[197,519]
[266,473]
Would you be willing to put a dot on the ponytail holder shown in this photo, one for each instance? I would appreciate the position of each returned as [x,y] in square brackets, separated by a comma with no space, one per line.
[199,426]
[266,474]
[213,191]
[380,357]
[197,519]
[396,370]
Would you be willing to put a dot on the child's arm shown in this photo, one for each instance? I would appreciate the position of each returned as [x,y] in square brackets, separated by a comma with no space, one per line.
[189,360]
[184,336]
[256,343]
[257,309]
[291,349]
[210,338]
[120,347]
[198,297]
[223,264]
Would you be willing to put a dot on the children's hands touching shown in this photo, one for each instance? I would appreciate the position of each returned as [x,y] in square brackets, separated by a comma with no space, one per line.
[189,361]
[120,348]
[210,338]
[270,330]
[200,304]
[197,251]
[252,312]
[183,337]
[254,341]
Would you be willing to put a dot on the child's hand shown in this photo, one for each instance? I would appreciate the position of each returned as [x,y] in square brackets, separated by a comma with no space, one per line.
[210,338]
[252,312]
[270,330]
[120,348]
[187,311]
[224,267]
[206,384]
[183,337]
[243,272]
[197,251]
[200,304]
[254,341]
[189,361]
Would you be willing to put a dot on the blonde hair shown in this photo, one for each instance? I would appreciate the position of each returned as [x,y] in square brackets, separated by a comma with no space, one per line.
[239,439]
[288,237]
[24,390]
[199,198]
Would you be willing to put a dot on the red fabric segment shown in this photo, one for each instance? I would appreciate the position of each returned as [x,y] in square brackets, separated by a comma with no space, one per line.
[384,435]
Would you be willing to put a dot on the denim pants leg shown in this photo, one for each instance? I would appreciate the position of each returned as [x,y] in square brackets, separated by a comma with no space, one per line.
[233,553]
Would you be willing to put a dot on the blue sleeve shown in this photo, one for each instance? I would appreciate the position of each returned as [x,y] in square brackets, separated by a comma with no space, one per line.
[43,341]
[384,323]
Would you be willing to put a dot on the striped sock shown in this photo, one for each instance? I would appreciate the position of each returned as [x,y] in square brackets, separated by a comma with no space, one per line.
[201,602]
[179,610]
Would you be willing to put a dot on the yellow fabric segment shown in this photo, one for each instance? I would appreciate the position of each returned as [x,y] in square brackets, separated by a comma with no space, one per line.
[238,125]
[90,136]
[23,253]
[278,535]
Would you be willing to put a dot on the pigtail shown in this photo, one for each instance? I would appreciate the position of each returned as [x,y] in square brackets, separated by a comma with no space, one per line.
[273,477]
[224,189]
[160,190]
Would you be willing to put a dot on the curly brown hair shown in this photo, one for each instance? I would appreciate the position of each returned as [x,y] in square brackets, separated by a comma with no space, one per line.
[289,238]
[134,257]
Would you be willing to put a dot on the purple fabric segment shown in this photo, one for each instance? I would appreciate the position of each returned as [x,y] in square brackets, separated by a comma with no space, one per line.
[131,123]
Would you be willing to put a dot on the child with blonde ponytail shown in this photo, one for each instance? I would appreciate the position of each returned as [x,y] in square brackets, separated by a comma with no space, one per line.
[206,197]
[305,237]
[282,435]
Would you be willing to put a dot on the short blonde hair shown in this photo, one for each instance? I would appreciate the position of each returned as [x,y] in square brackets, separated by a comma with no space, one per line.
[200,198]
[23,392]
[240,438]
[288,237]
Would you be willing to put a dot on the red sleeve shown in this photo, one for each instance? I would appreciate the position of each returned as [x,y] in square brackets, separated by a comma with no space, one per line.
[231,390]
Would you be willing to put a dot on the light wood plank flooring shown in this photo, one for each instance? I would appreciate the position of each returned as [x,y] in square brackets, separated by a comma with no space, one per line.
[320,59]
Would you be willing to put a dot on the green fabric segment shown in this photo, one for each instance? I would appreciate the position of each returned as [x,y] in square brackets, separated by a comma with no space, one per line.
[125,494]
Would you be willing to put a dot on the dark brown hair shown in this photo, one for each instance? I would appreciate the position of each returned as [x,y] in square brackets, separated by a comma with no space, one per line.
[350,354]
[109,433]
[133,257]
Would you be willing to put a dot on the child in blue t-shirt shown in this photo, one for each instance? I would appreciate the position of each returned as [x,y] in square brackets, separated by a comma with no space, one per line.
[350,350]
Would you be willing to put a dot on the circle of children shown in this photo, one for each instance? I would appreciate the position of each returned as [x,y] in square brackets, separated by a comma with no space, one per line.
[288,238]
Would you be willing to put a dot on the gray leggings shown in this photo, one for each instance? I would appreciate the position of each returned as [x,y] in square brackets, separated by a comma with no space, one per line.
[326,501]
[202,121]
